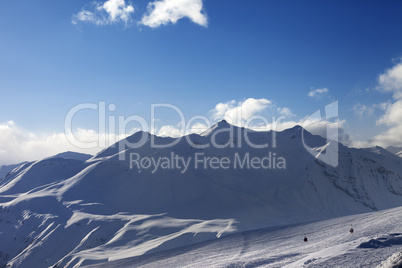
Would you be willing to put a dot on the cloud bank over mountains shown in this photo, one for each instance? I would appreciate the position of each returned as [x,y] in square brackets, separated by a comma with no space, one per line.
[261,114]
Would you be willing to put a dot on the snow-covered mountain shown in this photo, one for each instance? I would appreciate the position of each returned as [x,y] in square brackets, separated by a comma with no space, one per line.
[132,200]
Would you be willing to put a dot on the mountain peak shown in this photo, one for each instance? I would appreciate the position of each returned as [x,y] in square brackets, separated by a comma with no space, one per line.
[296,130]
[223,124]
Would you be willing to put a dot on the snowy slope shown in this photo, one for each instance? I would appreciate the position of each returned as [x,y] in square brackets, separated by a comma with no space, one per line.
[395,150]
[102,210]
[376,237]
[5,169]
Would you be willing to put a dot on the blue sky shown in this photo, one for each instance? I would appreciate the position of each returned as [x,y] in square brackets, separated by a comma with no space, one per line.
[53,58]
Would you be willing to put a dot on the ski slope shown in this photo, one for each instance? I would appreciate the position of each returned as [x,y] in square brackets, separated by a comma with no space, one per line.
[377,236]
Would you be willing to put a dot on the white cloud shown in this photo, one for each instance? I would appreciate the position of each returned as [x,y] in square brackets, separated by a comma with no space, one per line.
[389,81]
[319,92]
[391,137]
[285,111]
[238,113]
[393,114]
[363,109]
[164,12]
[18,144]
[169,131]
[109,12]
[367,110]
[198,128]
[392,118]
[175,132]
